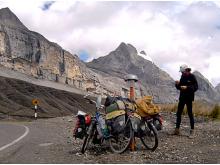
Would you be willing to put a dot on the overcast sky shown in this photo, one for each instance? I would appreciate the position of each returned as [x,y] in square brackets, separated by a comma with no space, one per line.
[171,33]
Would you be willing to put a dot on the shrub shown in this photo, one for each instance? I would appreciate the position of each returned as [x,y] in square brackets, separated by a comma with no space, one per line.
[200,108]
[215,113]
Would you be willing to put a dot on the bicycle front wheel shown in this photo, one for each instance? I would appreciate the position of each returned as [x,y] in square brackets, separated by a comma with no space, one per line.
[120,142]
[87,138]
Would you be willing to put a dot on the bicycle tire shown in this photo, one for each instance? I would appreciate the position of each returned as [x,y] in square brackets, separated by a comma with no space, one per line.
[122,134]
[152,132]
[85,143]
[87,138]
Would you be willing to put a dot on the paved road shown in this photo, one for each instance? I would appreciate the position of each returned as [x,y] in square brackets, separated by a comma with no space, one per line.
[35,143]
[10,134]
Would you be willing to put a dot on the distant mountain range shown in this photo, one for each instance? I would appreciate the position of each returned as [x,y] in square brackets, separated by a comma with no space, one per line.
[33,55]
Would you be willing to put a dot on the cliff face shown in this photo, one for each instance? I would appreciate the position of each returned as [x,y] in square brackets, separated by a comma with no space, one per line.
[32,54]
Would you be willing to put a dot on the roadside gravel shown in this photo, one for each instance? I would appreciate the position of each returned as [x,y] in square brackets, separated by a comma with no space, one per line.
[204,148]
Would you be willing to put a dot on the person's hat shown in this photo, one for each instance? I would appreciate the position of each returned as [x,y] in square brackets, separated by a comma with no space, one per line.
[184,67]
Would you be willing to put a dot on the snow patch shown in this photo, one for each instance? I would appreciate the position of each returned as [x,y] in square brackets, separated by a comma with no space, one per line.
[145,57]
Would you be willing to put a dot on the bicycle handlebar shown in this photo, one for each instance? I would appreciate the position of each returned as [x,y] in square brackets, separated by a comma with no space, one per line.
[91,101]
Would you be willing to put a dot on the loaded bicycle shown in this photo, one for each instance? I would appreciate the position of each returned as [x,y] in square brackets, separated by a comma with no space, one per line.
[96,130]
[119,125]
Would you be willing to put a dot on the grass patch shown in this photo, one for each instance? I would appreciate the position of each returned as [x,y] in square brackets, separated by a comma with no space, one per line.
[215,113]
[200,108]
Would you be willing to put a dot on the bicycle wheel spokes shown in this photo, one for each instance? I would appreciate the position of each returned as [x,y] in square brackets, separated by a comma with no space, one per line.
[120,142]
[150,140]
[88,137]
[85,143]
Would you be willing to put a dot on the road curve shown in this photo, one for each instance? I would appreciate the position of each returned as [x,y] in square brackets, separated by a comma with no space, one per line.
[11,134]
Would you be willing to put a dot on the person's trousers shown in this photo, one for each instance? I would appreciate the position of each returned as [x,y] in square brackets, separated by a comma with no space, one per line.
[181,105]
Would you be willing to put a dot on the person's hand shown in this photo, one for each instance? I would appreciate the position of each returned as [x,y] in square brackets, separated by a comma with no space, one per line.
[177,82]
[183,87]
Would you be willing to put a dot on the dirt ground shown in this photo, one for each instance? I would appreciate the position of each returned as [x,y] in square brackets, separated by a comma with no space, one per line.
[50,141]
[204,148]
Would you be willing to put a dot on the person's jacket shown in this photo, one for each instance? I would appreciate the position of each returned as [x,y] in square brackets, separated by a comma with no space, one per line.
[192,86]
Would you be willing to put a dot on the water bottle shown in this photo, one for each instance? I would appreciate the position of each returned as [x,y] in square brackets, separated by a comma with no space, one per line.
[103,126]
[100,135]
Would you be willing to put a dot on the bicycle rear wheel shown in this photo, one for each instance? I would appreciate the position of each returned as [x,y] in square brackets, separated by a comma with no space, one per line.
[120,142]
[150,140]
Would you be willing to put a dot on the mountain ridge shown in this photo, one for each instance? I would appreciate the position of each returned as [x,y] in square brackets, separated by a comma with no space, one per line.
[9,18]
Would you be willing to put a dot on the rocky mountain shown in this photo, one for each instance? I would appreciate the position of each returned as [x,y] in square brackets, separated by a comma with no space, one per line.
[125,60]
[30,53]
[217,88]
[206,90]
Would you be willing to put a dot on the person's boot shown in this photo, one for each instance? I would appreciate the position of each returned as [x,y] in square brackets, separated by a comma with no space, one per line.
[176,131]
[191,134]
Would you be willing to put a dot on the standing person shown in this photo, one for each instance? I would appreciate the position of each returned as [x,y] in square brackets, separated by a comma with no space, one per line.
[188,86]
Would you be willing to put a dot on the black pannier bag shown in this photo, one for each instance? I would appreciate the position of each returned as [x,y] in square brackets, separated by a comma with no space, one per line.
[115,114]
[116,125]
[116,110]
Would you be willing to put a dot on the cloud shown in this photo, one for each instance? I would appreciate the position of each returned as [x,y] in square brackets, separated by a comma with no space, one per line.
[212,68]
[47,5]
[172,33]
[200,18]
